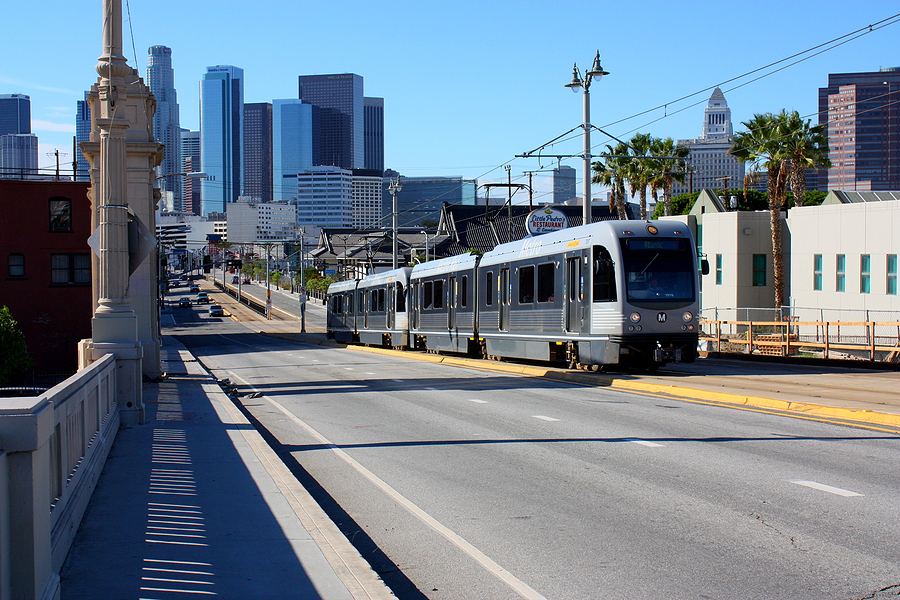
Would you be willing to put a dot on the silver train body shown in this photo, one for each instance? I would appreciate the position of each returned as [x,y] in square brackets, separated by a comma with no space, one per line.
[608,293]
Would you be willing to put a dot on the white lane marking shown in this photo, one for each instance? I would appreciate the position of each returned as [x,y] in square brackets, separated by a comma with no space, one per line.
[367,373]
[543,418]
[476,401]
[348,369]
[825,488]
[492,567]
[644,443]
[397,380]
[430,389]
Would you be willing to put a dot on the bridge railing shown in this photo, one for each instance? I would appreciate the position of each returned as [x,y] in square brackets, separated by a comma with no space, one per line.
[861,340]
[52,450]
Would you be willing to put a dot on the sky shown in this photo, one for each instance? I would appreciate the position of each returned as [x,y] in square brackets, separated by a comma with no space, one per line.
[467,85]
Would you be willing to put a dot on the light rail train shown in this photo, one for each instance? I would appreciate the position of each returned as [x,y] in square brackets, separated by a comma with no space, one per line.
[609,293]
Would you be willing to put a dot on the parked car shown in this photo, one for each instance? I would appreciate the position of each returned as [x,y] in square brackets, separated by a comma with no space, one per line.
[184,303]
[195,288]
[216,311]
[203,298]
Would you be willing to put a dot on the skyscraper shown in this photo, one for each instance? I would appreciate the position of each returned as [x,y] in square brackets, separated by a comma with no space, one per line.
[15,113]
[292,145]
[863,115]
[338,119]
[166,122]
[563,184]
[18,146]
[374,132]
[221,137]
[82,134]
[190,163]
[258,151]
[709,164]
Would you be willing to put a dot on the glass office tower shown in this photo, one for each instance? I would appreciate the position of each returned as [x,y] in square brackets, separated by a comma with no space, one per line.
[221,137]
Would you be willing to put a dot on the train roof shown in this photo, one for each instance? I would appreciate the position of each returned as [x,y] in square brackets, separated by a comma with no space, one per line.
[342,286]
[442,265]
[401,275]
[579,237]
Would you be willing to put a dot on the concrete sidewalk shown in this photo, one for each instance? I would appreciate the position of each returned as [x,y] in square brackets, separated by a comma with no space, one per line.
[195,503]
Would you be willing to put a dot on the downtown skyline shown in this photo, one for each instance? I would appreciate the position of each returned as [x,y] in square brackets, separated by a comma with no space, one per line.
[465,105]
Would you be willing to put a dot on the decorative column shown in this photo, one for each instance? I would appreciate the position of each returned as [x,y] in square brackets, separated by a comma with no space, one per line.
[114,326]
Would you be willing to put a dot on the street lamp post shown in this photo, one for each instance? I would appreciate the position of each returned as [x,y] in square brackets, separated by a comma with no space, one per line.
[577,82]
[394,187]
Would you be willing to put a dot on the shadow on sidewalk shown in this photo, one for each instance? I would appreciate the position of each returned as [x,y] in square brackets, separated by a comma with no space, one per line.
[176,513]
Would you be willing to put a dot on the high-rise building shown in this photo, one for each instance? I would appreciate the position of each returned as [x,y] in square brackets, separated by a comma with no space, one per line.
[258,151]
[324,197]
[709,164]
[190,163]
[82,134]
[338,119]
[366,198]
[292,145]
[15,113]
[421,198]
[166,123]
[563,184]
[18,157]
[863,115]
[221,137]
[374,132]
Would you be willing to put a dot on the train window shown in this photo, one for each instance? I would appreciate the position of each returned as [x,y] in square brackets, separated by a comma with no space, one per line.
[526,284]
[378,300]
[545,282]
[400,302]
[489,286]
[604,274]
[427,293]
[349,307]
[439,293]
[464,287]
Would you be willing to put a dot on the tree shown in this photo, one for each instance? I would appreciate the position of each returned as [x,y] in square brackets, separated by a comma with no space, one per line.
[14,357]
[807,148]
[765,145]
[639,170]
[670,167]
[611,173]
[429,223]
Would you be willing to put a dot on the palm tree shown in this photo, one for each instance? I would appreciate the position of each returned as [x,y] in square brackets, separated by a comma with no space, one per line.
[764,145]
[807,147]
[671,167]
[611,172]
[640,168]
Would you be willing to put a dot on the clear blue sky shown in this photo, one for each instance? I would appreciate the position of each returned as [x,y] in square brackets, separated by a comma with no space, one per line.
[467,85]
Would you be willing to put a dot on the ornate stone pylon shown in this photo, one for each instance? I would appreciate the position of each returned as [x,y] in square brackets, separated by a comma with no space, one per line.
[122,153]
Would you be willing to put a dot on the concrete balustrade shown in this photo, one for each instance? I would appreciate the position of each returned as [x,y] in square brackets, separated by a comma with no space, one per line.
[52,451]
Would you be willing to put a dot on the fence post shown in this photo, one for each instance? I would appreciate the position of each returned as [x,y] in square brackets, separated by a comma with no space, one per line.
[750,338]
[827,340]
[872,346]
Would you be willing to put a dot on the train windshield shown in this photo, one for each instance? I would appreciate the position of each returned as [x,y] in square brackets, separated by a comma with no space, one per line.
[658,270]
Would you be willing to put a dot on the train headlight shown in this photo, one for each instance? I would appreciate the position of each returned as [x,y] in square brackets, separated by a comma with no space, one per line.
[635,317]
[687,317]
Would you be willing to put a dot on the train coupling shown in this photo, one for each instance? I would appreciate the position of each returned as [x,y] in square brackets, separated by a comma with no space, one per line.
[667,354]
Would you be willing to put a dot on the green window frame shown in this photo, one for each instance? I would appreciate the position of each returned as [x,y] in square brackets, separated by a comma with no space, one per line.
[891,274]
[718,269]
[759,270]
[817,272]
[865,273]
[840,284]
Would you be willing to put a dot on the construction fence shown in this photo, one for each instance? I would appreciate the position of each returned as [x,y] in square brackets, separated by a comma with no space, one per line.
[790,331]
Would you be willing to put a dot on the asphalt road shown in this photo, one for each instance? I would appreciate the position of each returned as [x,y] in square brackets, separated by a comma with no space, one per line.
[466,483]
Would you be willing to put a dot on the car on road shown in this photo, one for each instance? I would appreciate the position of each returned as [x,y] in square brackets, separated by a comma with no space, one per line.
[203,298]
[246,280]
[184,303]
[235,279]
[216,311]
[194,289]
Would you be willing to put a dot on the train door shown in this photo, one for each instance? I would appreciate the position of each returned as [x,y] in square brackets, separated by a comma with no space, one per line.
[451,305]
[390,305]
[414,305]
[573,293]
[364,307]
[504,299]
